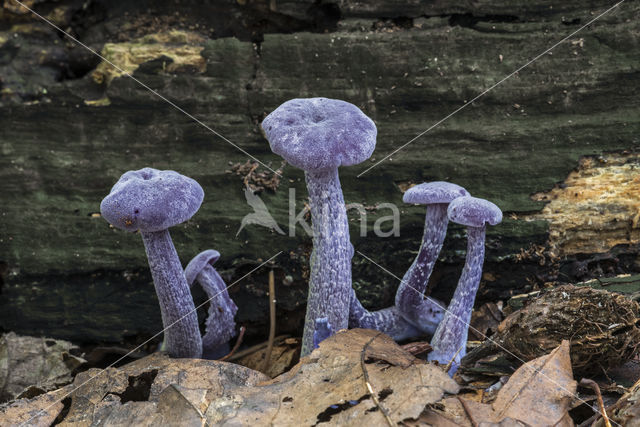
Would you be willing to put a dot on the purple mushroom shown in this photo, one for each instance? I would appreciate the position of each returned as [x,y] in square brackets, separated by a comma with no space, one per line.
[220,326]
[318,135]
[387,320]
[322,332]
[410,301]
[449,341]
[151,201]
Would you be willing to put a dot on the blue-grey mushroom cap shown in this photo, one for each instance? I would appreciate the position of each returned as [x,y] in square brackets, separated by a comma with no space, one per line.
[200,261]
[473,212]
[317,134]
[151,200]
[433,192]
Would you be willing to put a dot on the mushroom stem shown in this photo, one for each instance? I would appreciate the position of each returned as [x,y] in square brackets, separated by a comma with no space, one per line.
[410,299]
[388,320]
[451,334]
[181,334]
[330,282]
[220,324]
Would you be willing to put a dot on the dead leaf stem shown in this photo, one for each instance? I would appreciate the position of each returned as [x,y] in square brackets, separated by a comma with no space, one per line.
[272,322]
[235,347]
[367,382]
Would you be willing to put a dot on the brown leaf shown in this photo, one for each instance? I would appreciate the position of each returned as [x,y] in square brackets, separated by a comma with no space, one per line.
[39,411]
[31,361]
[538,393]
[155,390]
[328,386]
[283,357]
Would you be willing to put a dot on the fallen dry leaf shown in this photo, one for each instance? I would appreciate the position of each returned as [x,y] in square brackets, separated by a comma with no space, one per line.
[39,411]
[154,390]
[538,393]
[40,363]
[283,356]
[329,386]
[326,386]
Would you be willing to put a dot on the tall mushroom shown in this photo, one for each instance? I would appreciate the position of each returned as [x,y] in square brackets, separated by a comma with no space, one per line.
[318,135]
[410,300]
[151,201]
[449,341]
[220,326]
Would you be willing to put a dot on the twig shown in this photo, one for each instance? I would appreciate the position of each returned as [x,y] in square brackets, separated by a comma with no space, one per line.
[235,347]
[467,411]
[367,383]
[586,382]
[272,322]
[416,348]
[258,347]
[446,368]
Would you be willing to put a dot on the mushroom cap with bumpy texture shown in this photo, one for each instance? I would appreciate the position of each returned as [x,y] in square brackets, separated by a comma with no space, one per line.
[317,134]
[473,212]
[200,261]
[151,200]
[433,192]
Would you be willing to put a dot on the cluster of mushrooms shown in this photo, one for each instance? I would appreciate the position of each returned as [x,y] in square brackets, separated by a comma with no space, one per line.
[317,135]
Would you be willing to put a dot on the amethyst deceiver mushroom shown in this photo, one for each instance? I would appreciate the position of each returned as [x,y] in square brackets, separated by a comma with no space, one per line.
[318,135]
[151,201]
[412,305]
[449,341]
[322,332]
[220,326]
[387,320]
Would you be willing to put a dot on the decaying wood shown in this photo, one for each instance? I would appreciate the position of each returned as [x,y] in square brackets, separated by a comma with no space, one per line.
[602,327]
[71,125]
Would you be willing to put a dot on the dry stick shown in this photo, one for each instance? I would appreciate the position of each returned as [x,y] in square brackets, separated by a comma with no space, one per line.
[586,382]
[272,321]
[235,347]
[467,411]
[367,383]
[258,347]
[446,368]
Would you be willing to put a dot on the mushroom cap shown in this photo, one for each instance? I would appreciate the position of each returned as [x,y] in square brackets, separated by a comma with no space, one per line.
[320,133]
[433,192]
[473,212]
[200,261]
[151,200]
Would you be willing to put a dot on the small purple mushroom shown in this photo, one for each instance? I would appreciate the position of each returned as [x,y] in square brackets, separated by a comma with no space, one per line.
[220,326]
[322,332]
[318,135]
[410,299]
[387,320]
[449,341]
[151,201]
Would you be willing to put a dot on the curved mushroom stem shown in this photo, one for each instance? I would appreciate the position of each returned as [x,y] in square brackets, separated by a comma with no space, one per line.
[410,299]
[220,326]
[330,282]
[451,336]
[387,320]
[181,336]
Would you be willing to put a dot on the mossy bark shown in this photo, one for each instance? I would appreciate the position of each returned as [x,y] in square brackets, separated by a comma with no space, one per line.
[67,137]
